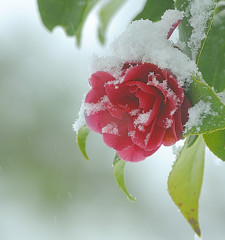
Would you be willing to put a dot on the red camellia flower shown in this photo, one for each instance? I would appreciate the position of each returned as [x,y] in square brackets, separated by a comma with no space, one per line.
[137,112]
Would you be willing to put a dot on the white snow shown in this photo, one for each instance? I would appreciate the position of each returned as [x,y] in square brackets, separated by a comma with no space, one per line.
[176,149]
[169,122]
[93,108]
[221,95]
[88,109]
[200,12]
[80,121]
[142,118]
[146,41]
[197,113]
[111,128]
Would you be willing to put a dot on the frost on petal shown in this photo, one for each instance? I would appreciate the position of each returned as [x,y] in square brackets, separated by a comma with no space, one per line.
[115,132]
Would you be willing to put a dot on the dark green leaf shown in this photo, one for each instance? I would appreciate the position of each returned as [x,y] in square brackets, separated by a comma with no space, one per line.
[154,9]
[185,181]
[191,140]
[219,9]
[185,30]
[118,171]
[215,141]
[212,60]
[70,14]
[81,140]
[210,122]
[106,14]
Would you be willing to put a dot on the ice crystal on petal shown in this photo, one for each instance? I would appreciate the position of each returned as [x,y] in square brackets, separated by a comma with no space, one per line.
[111,128]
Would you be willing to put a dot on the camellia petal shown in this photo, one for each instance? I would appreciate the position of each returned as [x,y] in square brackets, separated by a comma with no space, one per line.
[98,80]
[138,111]
[135,153]
[139,72]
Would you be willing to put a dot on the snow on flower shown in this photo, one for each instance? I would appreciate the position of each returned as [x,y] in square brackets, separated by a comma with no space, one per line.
[146,41]
[136,99]
[139,114]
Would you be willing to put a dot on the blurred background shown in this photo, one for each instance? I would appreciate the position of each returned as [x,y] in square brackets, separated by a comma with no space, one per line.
[47,189]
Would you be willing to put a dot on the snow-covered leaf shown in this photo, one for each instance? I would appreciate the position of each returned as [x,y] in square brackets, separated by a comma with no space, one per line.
[207,113]
[215,141]
[118,171]
[106,14]
[212,60]
[154,9]
[195,26]
[81,140]
[70,14]
[185,181]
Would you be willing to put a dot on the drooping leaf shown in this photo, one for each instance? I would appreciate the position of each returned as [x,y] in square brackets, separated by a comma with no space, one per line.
[213,121]
[186,30]
[154,9]
[81,140]
[212,60]
[106,14]
[118,171]
[185,181]
[70,14]
[215,141]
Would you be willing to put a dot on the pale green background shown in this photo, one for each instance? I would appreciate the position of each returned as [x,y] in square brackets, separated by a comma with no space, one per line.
[47,190]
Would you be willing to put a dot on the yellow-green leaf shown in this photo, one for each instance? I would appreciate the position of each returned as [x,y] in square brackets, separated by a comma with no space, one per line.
[118,171]
[185,181]
[81,140]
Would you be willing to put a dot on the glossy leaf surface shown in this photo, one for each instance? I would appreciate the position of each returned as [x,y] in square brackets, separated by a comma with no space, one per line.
[185,181]
[70,14]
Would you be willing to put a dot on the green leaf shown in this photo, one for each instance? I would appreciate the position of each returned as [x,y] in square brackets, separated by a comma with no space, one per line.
[210,122]
[118,171]
[81,140]
[191,140]
[185,181]
[220,8]
[186,30]
[154,9]
[106,14]
[212,60]
[70,14]
[215,141]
